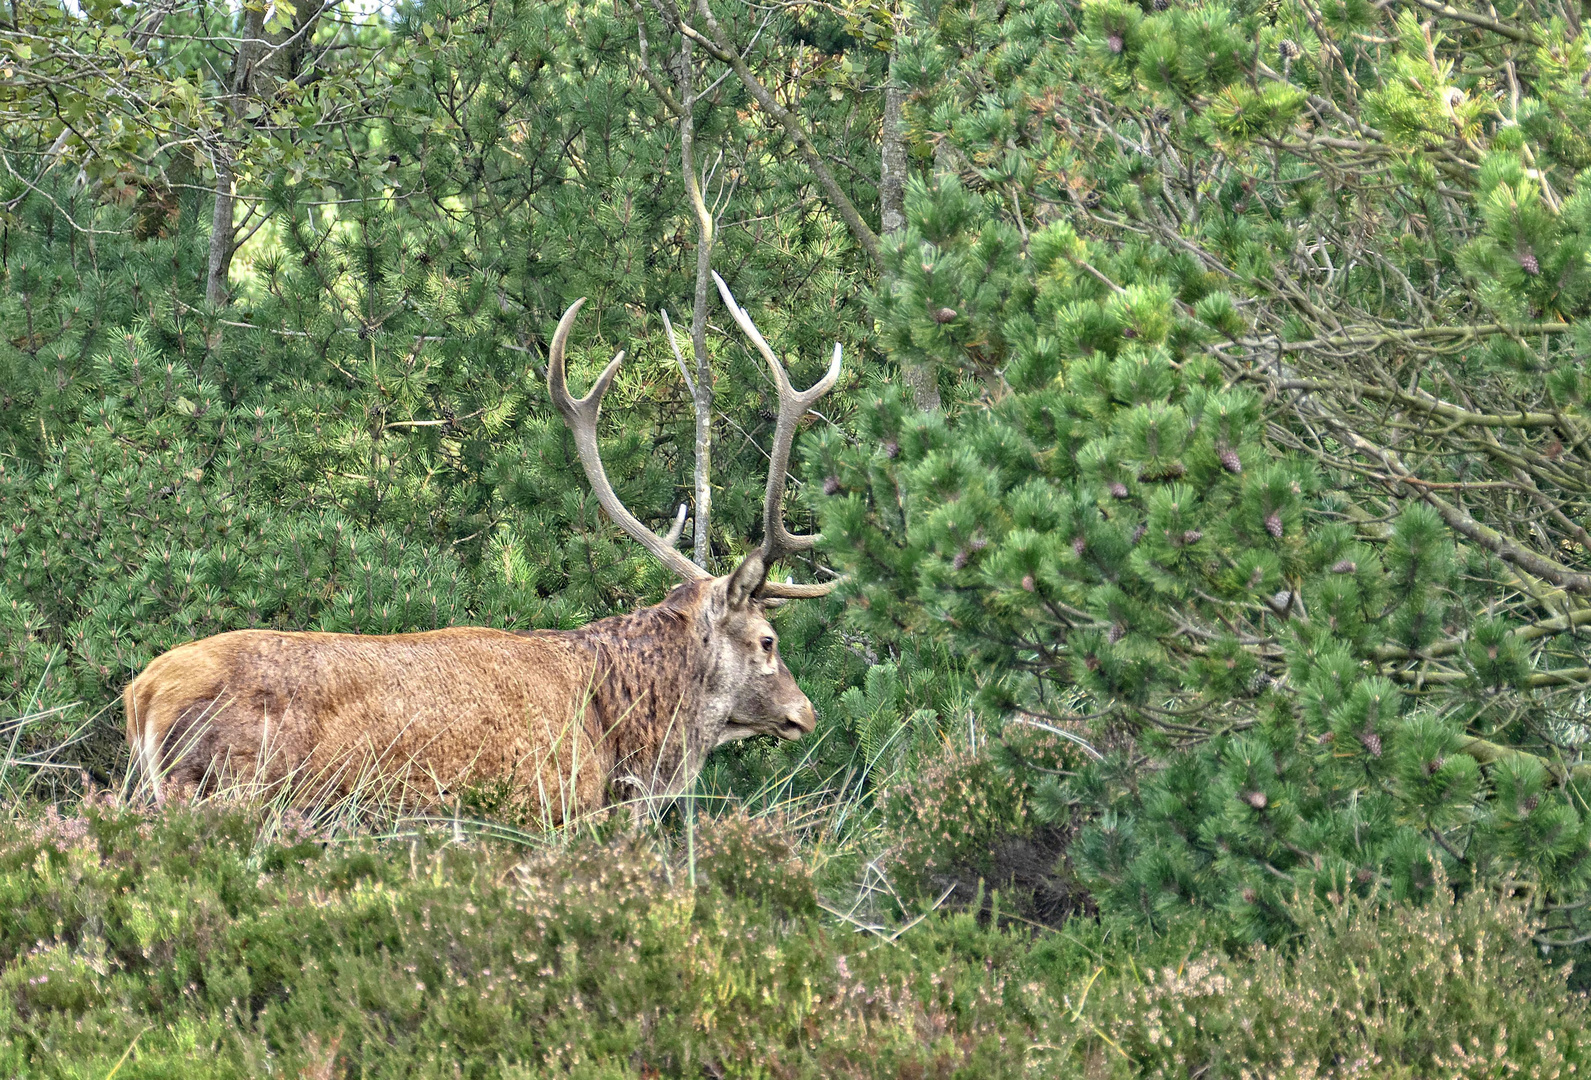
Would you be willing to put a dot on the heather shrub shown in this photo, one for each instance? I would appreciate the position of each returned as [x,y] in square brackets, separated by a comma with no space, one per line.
[216,945]
[1443,989]
[948,816]
[752,858]
[970,824]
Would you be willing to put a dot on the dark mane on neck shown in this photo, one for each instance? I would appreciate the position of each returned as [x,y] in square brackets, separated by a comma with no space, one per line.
[649,671]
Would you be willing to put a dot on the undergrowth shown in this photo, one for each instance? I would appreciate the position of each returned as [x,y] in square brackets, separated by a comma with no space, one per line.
[217,941]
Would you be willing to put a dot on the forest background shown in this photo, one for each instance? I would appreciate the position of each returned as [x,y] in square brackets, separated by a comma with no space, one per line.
[1209,474]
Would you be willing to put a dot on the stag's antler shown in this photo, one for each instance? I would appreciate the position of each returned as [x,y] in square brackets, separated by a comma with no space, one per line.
[777,541]
[581,416]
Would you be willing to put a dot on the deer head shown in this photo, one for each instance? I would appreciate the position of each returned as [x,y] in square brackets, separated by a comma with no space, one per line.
[753,690]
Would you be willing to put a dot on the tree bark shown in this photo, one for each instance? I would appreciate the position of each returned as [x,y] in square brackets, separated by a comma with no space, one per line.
[922,379]
[221,233]
[260,64]
[702,391]
[892,167]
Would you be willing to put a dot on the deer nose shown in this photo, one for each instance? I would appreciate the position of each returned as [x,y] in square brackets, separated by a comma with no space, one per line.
[804,717]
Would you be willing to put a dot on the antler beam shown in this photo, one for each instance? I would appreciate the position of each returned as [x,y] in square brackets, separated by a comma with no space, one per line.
[580,414]
[777,541]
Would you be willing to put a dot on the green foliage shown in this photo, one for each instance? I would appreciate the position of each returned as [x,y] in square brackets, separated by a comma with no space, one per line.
[1218,483]
[1453,987]
[211,943]
[212,949]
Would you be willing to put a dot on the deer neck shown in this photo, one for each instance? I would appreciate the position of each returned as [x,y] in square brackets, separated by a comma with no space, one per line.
[652,693]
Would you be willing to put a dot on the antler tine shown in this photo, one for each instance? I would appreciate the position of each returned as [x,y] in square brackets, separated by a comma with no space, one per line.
[580,414]
[777,541]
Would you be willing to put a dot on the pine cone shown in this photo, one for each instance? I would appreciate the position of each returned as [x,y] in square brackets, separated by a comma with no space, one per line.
[1273,524]
[1372,743]
[1117,489]
[1528,803]
[831,485]
[1434,766]
[1160,5]
[1257,799]
[1078,545]
[1288,48]
[1138,534]
[1029,584]
[1344,566]
[959,562]
[1192,536]
[891,449]
[1528,263]
[1280,601]
[1229,460]
[942,315]
[1114,43]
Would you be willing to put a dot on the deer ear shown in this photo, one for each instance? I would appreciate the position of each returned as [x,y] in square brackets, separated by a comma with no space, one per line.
[746,580]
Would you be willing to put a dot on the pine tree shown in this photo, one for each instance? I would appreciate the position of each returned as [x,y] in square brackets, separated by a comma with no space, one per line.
[1262,466]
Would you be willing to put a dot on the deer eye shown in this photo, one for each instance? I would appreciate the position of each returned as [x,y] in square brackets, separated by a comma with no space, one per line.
[767,644]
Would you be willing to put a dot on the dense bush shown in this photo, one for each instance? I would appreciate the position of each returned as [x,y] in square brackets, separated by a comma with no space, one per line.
[206,942]
[1225,302]
[1452,989]
[214,950]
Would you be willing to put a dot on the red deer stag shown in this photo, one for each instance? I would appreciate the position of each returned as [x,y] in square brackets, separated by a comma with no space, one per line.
[573,720]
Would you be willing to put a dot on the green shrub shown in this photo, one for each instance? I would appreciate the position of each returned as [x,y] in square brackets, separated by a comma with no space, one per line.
[225,949]
[975,823]
[1445,989]
[752,858]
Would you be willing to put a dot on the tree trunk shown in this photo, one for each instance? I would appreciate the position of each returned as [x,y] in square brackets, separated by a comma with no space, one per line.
[260,63]
[892,170]
[921,378]
[221,233]
[702,392]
